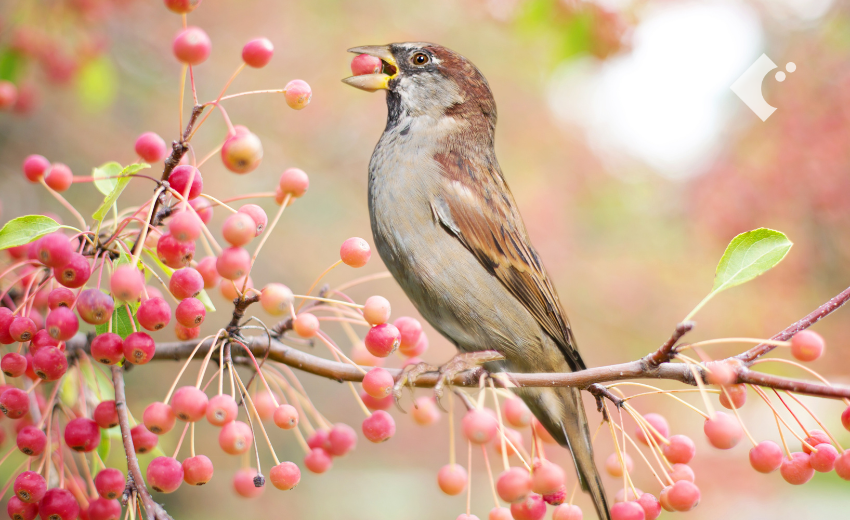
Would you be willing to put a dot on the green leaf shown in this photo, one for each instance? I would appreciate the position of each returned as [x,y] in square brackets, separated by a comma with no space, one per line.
[120,183]
[102,174]
[105,443]
[747,256]
[23,230]
[97,83]
[120,322]
[11,65]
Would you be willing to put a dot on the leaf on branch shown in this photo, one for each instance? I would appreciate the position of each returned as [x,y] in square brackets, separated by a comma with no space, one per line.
[117,184]
[23,230]
[749,255]
[121,322]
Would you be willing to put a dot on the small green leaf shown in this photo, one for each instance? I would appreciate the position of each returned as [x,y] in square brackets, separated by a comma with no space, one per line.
[120,322]
[105,177]
[23,230]
[120,183]
[105,443]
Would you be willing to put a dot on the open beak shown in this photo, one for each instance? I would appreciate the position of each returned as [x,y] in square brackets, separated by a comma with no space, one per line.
[373,82]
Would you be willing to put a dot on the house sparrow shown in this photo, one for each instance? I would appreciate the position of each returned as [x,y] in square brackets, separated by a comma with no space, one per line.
[447,228]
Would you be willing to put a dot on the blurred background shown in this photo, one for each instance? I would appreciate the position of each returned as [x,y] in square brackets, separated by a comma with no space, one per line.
[632,162]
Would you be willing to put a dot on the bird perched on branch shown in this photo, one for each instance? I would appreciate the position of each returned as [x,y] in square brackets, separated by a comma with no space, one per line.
[447,227]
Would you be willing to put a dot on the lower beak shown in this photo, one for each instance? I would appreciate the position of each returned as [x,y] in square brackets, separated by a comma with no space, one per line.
[373,82]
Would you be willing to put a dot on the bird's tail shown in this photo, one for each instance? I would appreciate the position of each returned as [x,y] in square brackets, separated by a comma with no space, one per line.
[566,420]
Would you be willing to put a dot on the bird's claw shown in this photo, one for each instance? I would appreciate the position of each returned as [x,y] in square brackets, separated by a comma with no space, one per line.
[408,376]
[462,363]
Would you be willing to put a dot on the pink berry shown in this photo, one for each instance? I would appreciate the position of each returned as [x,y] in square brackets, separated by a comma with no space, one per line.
[815,438]
[680,450]
[197,470]
[53,250]
[682,472]
[221,410]
[547,478]
[510,435]
[503,513]
[104,509]
[58,504]
[376,404]
[513,485]
[144,441]
[82,434]
[355,252]
[180,178]
[285,417]
[60,297]
[59,177]
[465,516]
[208,272]
[366,64]
[189,403]
[382,340]
[425,411]
[110,483]
[452,479]
[517,413]
[738,393]
[31,441]
[8,94]
[797,470]
[479,426]
[154,314]
[228,287]
[319,439]
[165,474]
[75,273]
[276,299]
[651,506]
[239,229]
[185,333]
[542,432]
[659,423]
[683,496]
[95,307]
[14,403]
[842,465]
[613,466]
[823,460]
[265,404]
[244,483]
[723,431]
[807,345]
[42,339]
[341,439]
[566,512]
[105,414]
[182,6]
[298,94]
[627,495]
[185,226]
[376,310]
[139,348]
[192,46]
[159,418]
[13,364]
[294,182]
[126,284]
[410,330]
[257,53]
[34,167]
[532,508]
[318,460]
[379,426]
[186,283]
[235,438]
[30,487]
[242,153]
[378,383]
[49,363]
[190,312]
[285,475]
[306,325]
[203,208]
[627,511]
[107,348]
[174,253]
[151,147]
[257,215]
[233,263]
[20,510]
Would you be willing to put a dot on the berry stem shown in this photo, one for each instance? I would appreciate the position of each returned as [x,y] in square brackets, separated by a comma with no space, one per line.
[766,399]
[266,235]
[247,395]
[71,209]
[775,343]
[274,91]
[363,279]
[737,415]
[468,477]
[490,475]
[315,283]
[180,442]
[143,233]
[817,420]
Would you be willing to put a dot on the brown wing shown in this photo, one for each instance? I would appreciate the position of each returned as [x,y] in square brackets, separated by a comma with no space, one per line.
[477,207]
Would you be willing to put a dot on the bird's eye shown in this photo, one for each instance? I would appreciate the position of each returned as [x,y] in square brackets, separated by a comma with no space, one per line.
[420,58]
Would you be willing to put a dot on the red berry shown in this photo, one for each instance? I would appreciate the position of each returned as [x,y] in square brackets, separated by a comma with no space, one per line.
[842,465]
[235,438]
[75,273]
[532,508]
[517,413]
[513,485]
[151,147]
[233,263]
[186,333]
[627,511]
[108,348]
[318,460]
[22,329]
[60,297]
[174,253]
[306,325]
[723,431]
[197,470]
[682,472]
[13,364]
[285,417]
[110,483]
[807,345]
[58,504]
[189,403]
[82,434]
[355,252]
[159,418]
[208,272]
[680,450]
[257,53]
[126,284]
[276,299]
[20,510]
[14,403]
[31,441]
[382,340]
[845,418]
[105,414]
[815,438]
[683,496]
[139,348]
[49,363]
[165,474]
[479,426]
[651,506]
[285,475]
[376,404]
[564,512]
[95,307]
[30,487]
[244,483]
[797,470]
[185,226]
[143,440]
[341,439]
[452,479]
[180,178]
[53,250]
[154,314]
[366,64]
[239,229]
[823,460]
[221,410]
[379,426]
[186,283]
[410,330]
[192,46]
[203,208]
[62,323]
[59,177]
[547,478]
[182,6]
[103,509]
[190,312]
[298,94]
[425,411]
[242,153]
[659,423]
[378,383]
[42,339]
[34,167]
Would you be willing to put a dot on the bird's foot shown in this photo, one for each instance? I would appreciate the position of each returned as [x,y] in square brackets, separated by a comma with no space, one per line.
[601,393]
[464,362]
[408,376]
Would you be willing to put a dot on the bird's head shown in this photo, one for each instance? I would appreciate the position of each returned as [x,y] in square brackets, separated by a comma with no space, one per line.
[426,79]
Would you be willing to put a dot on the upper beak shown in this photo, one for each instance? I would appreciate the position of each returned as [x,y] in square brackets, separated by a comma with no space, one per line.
[373,82]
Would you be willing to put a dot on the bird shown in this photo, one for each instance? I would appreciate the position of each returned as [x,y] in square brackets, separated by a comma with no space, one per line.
[447,227]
